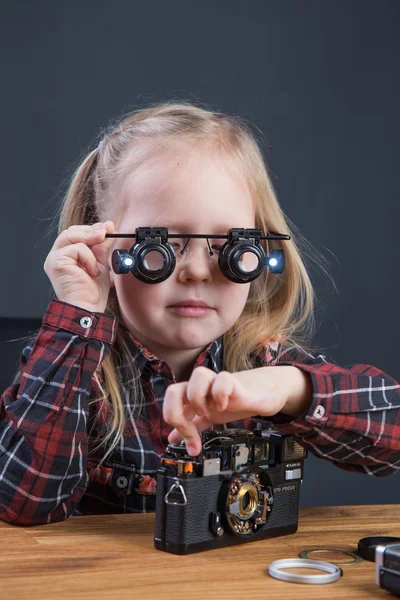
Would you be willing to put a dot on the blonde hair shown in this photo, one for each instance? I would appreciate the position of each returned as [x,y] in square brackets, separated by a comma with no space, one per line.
[278,307]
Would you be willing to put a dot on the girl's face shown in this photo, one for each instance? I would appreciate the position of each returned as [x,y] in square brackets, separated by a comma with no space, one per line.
[198,195]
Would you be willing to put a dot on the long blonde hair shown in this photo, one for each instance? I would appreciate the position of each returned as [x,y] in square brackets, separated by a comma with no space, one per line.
[278,307]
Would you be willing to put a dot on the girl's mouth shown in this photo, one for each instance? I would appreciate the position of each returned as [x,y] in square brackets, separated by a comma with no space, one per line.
[191,308]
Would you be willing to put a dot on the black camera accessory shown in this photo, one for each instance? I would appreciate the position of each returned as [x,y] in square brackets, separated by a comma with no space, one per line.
[355,558]
[387,567]
[152,259]
[367,545]
[275,570]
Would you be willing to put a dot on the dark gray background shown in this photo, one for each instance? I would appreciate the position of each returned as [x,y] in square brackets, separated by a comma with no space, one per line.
[320,78]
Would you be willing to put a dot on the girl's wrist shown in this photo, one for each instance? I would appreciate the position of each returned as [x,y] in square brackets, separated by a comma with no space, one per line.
[92,308]
[300,393]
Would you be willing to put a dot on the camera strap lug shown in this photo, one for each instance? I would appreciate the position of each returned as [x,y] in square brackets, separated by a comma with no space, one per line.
[176,488]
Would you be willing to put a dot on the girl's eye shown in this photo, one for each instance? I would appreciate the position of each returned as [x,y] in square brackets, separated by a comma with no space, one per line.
[216,247]
[178,245]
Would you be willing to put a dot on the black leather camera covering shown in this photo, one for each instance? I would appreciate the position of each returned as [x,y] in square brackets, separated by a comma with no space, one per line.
[184,529]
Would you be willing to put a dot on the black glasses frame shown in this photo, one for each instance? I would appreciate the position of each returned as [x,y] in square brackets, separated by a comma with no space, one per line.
[238,242]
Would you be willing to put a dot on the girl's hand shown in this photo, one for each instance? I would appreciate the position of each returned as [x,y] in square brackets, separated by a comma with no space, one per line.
[77,266]
[209,398]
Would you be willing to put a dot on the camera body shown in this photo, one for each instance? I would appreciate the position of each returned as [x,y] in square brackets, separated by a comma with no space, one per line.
[387,567]
[244,486]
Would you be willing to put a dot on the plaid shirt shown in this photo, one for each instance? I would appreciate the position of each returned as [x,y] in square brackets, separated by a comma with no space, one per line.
[45,473]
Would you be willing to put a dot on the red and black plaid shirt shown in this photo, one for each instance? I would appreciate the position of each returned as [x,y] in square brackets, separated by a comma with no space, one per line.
[45,472]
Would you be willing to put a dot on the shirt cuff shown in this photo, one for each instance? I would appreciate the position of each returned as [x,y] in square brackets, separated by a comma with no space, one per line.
[315,414]
[89,325]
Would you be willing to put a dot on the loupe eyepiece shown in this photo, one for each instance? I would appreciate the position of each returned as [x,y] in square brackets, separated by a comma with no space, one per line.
[151,259]
[241,259]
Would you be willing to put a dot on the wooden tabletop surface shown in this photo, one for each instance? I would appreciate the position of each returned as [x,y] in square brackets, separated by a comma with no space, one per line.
[112,556]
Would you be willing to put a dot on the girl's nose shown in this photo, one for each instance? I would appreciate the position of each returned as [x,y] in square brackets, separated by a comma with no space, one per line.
[196,265]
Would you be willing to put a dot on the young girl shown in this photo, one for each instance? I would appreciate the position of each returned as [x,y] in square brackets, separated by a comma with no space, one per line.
[120,366]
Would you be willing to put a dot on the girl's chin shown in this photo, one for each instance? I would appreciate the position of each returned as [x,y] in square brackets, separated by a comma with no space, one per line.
[190,338]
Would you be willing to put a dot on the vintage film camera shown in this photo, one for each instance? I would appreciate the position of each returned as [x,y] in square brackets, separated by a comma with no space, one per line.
[387,565]
[243,486]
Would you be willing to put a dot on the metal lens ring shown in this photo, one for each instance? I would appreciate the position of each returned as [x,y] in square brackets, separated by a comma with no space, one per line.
[355,558]
[275,569]
[248,501]
[242,261]
[153,262]
[247,504]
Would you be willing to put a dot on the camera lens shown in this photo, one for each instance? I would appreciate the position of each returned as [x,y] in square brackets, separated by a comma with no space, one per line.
[248,500]
[245,502]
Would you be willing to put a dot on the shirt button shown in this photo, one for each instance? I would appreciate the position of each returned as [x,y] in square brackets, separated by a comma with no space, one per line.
[319,412]
[122,482]
[86,322]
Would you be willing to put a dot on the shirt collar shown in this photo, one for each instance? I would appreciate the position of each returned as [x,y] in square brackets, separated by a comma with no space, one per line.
[211,357]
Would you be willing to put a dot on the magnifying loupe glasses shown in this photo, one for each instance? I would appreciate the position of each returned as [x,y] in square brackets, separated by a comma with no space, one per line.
[153,257]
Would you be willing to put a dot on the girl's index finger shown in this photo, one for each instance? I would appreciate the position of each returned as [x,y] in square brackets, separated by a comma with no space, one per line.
[198,388]
[201,424]
[73,235]
[174,415]
[102,246]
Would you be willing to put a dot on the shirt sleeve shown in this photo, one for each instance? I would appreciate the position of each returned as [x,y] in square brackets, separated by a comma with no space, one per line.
[43,416]
[354,417]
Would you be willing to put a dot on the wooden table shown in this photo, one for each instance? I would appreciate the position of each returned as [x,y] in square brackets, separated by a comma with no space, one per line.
[112,556]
